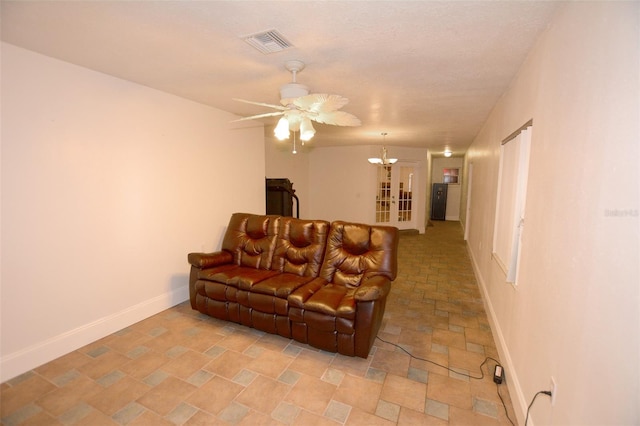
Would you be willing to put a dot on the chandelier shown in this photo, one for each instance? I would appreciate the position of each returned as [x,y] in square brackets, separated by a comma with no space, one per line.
[383,159]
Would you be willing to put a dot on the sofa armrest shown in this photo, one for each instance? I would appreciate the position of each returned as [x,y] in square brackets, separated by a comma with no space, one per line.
[209,260]
[374,288]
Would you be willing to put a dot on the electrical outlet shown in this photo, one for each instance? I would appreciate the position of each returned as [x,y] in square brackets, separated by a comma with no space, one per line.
[554,391]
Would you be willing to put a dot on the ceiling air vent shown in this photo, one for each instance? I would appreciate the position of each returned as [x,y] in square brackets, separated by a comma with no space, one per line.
[268,41]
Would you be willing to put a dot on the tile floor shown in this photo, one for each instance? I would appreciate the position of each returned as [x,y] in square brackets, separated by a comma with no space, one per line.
[180,367]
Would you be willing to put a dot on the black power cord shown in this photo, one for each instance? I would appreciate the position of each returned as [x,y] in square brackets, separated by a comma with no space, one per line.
[532,401]
[461,374]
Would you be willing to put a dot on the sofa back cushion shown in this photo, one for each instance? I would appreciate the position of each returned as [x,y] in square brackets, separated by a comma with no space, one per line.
[251,239]
[300,246]
[356,252]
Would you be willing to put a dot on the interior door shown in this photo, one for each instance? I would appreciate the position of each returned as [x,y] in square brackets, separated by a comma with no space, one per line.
[394,198]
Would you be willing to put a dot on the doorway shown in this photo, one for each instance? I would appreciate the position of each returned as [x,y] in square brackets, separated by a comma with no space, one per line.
[395,202]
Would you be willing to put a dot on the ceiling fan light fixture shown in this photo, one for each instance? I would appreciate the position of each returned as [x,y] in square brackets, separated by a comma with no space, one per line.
[282,129]
[299,109]
[306,129]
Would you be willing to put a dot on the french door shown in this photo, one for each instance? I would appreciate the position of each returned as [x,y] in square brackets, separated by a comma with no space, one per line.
[394,196]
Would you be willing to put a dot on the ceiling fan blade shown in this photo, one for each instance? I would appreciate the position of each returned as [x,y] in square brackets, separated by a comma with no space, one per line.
[253,117]
[336,118]
[281,108]
[320,102]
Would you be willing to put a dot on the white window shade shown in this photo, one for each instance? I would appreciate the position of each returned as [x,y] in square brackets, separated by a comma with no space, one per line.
[510,205]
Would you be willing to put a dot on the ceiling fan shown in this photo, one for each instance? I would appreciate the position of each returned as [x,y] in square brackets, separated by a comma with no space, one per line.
[299,108]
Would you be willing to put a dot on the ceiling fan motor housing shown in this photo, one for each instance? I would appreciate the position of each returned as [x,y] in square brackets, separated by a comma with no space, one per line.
[291,91]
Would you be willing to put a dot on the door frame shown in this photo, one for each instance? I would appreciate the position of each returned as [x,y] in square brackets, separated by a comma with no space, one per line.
[417,197]
[467,215]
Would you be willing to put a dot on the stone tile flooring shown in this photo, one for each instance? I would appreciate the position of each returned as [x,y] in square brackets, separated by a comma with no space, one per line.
[180,367]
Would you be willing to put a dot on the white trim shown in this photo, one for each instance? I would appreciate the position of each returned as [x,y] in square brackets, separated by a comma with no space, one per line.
[468,206]
[26,359]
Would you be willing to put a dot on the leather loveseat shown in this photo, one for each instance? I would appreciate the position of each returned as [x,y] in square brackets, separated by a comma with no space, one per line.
[321,284]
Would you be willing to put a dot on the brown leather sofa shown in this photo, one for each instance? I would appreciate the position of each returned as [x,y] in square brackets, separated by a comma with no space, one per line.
[321,284]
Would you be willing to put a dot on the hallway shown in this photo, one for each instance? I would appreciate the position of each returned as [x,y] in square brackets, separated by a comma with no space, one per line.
[180,367]
[435,312]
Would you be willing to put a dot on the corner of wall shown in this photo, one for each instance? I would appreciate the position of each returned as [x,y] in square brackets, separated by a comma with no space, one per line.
[19,362]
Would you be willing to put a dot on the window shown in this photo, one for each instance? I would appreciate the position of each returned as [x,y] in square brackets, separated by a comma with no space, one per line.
[450,176]
[512,187]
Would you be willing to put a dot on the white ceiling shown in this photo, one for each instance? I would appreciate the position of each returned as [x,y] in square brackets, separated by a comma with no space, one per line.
[426,72]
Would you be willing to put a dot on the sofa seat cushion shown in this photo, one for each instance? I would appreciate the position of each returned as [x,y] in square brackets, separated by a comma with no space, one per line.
[281,285]
[333,300]
[241,277]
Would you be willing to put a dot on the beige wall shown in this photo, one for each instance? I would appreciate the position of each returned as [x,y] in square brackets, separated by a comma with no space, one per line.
[342,183]
[338,183]
[106,186]
[574,311]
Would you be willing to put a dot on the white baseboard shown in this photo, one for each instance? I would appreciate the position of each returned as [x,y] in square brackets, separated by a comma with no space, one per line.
[517,396]
[26,359]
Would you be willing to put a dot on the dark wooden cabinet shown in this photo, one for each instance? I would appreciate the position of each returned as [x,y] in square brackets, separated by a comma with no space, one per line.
[439,201]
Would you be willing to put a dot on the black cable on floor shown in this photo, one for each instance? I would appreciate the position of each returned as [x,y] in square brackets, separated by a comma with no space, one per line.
[503,404]
[459,373]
